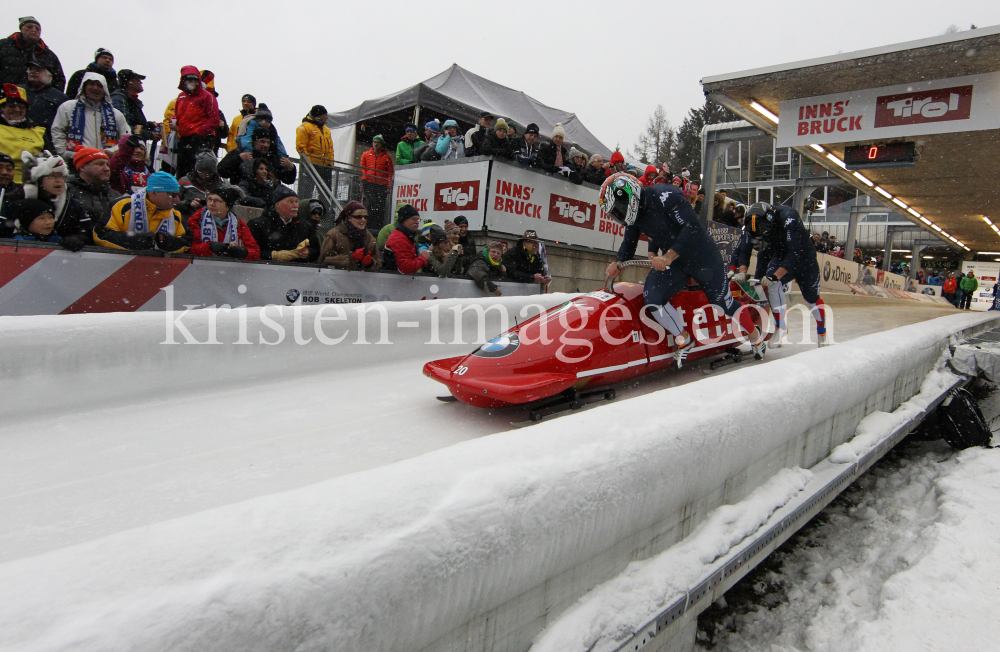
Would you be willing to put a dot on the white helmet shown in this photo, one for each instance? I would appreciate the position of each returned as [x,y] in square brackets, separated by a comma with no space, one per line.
[620,197]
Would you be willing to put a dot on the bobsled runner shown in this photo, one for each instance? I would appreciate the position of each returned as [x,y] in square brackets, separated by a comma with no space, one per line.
[579,349]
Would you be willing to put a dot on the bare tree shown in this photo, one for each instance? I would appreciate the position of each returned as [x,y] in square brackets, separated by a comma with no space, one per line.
[657,141]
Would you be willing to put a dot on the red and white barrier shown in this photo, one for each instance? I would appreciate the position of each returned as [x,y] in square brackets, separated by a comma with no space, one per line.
[43,281]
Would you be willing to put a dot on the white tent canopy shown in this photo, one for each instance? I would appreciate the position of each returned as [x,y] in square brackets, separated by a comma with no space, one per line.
[459,94]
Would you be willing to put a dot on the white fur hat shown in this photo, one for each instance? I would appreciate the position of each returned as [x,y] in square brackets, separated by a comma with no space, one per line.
[42,165]
[558,130]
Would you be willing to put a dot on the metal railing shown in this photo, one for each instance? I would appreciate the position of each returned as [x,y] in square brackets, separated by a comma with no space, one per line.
[338,183]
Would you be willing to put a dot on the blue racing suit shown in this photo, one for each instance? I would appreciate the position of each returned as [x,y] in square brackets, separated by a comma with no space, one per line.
[669,221]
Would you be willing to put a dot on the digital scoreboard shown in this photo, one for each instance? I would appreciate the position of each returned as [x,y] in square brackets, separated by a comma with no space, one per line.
[893,155]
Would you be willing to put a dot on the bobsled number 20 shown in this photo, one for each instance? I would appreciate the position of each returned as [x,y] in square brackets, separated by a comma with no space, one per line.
[594,340]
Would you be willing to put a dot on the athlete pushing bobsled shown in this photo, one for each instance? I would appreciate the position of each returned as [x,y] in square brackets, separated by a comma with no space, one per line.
[666,217]
[785,253]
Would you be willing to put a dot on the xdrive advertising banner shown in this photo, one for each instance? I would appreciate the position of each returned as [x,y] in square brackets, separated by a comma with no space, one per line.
[969,103]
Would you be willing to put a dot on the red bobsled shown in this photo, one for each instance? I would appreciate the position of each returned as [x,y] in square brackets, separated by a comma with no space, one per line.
[594,340]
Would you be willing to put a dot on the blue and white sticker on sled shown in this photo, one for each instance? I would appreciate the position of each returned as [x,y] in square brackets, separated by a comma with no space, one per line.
[601,295]
[499,347]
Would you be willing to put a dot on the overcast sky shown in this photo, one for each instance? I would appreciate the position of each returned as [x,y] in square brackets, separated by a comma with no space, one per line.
[611,63]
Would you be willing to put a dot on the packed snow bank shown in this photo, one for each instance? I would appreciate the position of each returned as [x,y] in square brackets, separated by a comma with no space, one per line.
[85,359]
[614,611]
[907,561]
[396,557]
[617,609]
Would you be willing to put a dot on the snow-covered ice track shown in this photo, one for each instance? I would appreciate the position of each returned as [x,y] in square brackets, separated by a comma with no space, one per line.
[464,547]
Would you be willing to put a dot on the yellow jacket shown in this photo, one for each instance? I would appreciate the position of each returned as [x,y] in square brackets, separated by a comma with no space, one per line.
[167,116]
[315,141]
[234,130]
[14,140]
[114,234]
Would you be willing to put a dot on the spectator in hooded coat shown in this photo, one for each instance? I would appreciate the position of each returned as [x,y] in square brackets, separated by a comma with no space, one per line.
[314,141]
[10,192]
[17,133]
[19,47]
[45,179]
[488,267]
[103,64]
[553,157]
[449,145]
[281,234]
[216,231]
[91,184]
[497,144]
[197,116]
[262,119]
[523,263]
[249,108]
[89,120]
[349,245]
[649,176]
[237,165]
[405,150]
[43,99]
[400,251]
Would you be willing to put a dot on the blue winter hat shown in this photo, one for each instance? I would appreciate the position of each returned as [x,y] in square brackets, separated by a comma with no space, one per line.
[450,123]
[433,126]
[162,182]
[412,128]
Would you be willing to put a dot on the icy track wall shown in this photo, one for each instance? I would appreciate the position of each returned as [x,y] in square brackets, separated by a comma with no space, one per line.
[471,547]
[85,360]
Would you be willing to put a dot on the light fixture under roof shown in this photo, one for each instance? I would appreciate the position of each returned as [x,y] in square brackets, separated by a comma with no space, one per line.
[883,192]
[898,202]
[818,148]
[759,108]
[865,180]
[836,160]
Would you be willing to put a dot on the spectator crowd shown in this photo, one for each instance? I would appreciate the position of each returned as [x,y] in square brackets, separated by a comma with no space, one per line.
[81,164]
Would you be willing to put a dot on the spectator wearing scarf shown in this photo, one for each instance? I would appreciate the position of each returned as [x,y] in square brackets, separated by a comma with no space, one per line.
[349,245]
[216,231]
[84,122]
[146,220]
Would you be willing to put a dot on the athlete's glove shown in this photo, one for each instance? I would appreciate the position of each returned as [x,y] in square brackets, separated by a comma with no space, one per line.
[770,280]
[740,277]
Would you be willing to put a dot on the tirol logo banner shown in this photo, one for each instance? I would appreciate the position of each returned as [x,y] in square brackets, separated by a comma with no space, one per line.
[902,111]
[456,196]
[572,212]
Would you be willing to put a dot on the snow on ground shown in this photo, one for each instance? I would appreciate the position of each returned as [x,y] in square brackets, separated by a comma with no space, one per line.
[905,559]
[68,476]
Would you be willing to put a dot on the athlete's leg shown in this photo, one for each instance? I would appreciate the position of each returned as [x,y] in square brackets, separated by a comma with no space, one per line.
[711,276]
[809,285]
[659,288]
[778,299]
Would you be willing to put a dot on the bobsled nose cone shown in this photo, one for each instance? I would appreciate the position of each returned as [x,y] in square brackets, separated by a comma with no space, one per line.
[440,370]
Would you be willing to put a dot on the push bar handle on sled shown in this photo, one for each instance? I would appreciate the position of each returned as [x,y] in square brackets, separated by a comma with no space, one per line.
[609,285]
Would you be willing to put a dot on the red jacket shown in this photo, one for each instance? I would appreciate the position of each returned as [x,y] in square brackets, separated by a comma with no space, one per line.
[405,251]
[199,248]
[376,168]
[646,179]
[197,112]
[949,286]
